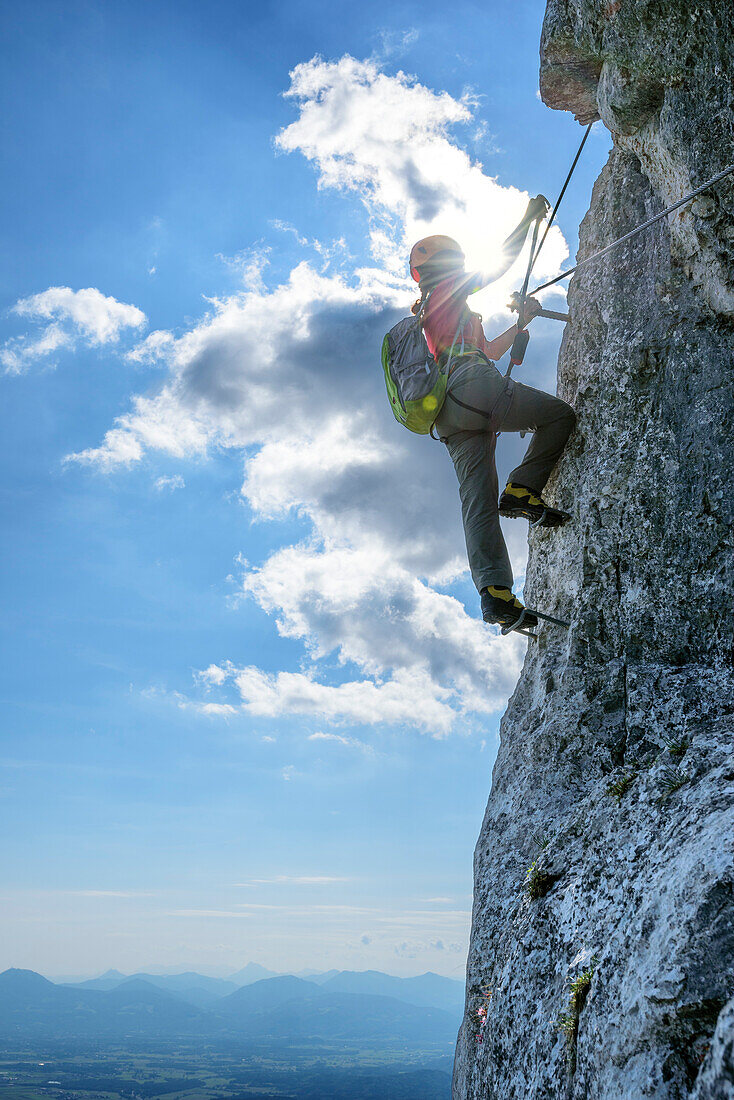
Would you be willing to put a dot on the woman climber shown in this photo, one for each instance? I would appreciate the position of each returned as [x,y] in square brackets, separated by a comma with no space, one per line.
[479,403]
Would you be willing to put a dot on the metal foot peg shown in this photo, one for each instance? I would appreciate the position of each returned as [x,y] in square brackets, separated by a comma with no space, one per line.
[517,625]
[550,619]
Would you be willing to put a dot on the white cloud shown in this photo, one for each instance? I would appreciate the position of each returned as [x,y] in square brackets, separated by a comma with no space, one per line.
[396,42]
[327,251]
[374,134]
[97,317]
[209,710]
[71,315]
[153,348]
[375,613]
[249,265]
[405,699]
[307,408]
[338,739]
[169,484]
[214,675]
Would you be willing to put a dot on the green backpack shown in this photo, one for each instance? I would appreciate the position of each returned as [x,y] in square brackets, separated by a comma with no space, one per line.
[415,381]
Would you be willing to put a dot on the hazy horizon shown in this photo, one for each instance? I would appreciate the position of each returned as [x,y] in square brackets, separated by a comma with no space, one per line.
[220,973]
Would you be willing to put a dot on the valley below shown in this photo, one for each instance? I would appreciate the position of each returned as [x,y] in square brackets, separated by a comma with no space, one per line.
[361,1035]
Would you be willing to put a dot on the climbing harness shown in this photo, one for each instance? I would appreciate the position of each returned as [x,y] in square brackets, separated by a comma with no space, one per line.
[501,406]
[639,228]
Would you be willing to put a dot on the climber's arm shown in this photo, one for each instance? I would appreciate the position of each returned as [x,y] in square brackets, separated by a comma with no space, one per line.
[496,348]
[510,250]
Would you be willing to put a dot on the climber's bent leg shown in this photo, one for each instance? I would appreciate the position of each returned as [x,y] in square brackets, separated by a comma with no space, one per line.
[551,420]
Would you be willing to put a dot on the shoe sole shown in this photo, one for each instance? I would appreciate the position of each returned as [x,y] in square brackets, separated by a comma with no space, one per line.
[553,517]
[508,622]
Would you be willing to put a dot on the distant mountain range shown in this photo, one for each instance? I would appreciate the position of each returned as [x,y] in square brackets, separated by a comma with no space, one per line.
[197,989]
[342,1005]
[428,990]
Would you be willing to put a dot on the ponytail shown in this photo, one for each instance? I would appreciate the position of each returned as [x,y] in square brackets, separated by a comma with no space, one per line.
[419,303]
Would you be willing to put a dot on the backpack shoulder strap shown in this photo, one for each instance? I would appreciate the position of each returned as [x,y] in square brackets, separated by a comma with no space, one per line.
[460,329]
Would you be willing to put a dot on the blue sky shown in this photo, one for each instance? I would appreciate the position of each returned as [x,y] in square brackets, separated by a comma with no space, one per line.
[249,709]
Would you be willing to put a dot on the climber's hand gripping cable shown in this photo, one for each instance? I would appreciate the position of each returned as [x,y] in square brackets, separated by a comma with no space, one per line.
[533,308]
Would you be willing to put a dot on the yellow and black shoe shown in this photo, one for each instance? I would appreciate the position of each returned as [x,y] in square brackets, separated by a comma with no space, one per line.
[500,606]
[518,502]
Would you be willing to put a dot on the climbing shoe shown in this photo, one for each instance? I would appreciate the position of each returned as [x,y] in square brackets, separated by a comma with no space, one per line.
[519,502]
[500,606]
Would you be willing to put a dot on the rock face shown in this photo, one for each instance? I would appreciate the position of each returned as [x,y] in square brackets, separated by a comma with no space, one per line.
[614,781]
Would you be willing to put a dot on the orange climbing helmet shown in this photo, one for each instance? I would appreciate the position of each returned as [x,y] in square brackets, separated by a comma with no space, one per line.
[429,248]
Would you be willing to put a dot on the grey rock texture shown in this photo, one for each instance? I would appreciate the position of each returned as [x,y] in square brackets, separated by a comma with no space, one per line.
[615,775]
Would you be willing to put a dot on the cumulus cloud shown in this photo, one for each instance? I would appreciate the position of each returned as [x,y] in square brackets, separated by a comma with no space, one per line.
[70,316]
[405,698]
[356,122]
[306,408]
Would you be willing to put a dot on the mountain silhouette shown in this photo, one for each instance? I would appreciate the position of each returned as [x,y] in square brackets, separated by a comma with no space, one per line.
[267,994]
[280,1008]
[197,989]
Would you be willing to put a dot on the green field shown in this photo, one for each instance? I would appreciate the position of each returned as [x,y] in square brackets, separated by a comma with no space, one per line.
[265,1072]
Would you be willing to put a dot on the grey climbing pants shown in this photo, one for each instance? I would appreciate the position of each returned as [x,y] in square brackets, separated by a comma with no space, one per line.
[470,438]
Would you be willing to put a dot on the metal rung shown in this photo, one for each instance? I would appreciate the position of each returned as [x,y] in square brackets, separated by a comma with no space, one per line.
[549,618]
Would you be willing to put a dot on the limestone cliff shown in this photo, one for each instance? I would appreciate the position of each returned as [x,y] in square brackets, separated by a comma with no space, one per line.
[614,781]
